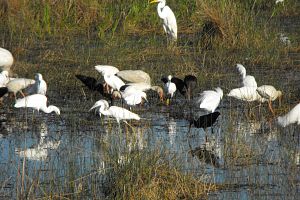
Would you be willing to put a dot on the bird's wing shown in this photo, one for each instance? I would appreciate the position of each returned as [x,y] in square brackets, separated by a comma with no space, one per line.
[91,83]
[32,101]
[3,91]
[122,113]
[134,76]
[106,69]
[115,82]
[180,85]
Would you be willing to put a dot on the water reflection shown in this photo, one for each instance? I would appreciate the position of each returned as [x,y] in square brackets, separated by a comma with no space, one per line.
[42,149]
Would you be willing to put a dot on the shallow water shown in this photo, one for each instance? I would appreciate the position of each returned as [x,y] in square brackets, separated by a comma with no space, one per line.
[248,157]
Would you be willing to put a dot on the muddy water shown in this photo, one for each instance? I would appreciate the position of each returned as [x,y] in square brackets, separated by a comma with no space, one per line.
[250,158]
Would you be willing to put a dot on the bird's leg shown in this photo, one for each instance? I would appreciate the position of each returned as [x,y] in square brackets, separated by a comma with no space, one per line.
[129,125]
[82,91]
[270,107]
[22,93]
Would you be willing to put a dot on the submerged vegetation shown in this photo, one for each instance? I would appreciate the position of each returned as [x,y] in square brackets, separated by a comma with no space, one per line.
[61,38]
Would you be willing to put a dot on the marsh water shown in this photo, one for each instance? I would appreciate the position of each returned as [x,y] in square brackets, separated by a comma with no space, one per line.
[250,157]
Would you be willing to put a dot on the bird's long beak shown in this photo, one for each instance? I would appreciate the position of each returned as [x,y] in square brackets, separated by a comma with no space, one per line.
[154,1]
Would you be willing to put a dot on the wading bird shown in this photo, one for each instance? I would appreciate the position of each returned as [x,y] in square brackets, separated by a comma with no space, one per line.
[39,87]
[248,94]
[247,80]
[91,83]
[170,88]
[168,18]
[291,117]
[18,84]
[210,99]
[6,59]
[114,111]
[37,102]
[205,121]
[185,87]
[132,95]
[269,93]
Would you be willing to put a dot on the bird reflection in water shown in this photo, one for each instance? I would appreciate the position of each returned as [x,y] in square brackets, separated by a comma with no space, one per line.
[42,150]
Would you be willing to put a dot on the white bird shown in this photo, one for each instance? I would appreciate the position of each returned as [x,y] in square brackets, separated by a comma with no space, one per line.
[113,81]
[134,76]
[269,93]
[6,59]
[170,88]
[284,39]
[245,94]
[279,1]
[114,111]
[39,87]
[247,80]
[142,87]
[37,102]
[4,79]
[168,18]
[210,99]
[291,117]
[18,84]
[132,95]
[106,69]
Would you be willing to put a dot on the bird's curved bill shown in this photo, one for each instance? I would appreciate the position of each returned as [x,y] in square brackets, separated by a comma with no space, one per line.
[154,1]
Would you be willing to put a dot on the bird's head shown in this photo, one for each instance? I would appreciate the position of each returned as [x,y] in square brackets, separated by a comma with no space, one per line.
[158,1]
[38,76]
[169,77]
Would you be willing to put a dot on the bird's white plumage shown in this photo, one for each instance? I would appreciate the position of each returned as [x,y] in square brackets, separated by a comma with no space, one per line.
[170,87]
[4,79]
[247,80]
[39,87]
[99,103]
[6,59]
[106,69]
[38,102]
[245,94]
[134,76]
[135,98]
[113,81]
[210,99]
[291,117]
[268,92]
[117,112]
[168,18]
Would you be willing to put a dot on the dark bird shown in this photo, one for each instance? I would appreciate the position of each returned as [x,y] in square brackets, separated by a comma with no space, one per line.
[185,87]
[205,121]
[3,91]
[91,83]
[190,84]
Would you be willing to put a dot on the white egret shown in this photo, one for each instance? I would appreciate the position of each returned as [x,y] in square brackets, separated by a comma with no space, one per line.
[170,88]
[210,99]
[6,59]
[134,76]
[39,87]
[18,84]
[4,79]
[269,93]
[117,112]
[168,18]
[37,102]
[247,80]
[291,117]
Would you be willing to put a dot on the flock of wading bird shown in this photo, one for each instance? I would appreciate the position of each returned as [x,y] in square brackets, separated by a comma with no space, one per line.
[132,85]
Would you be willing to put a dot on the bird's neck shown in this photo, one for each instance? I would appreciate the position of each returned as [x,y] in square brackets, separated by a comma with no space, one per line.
[160,7]
[104,111]
[49,109]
